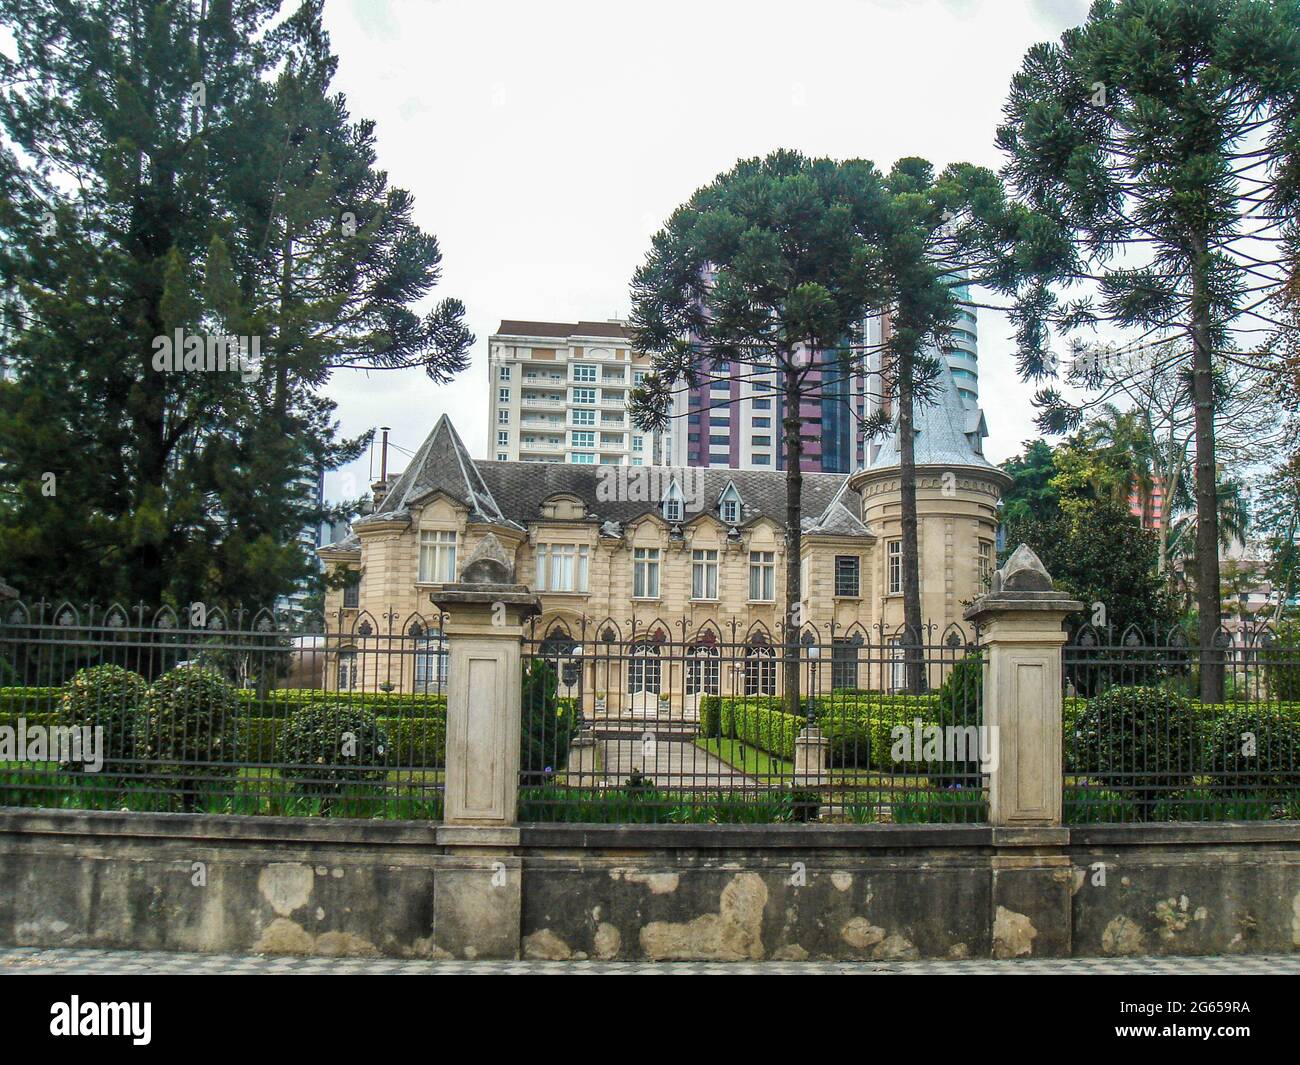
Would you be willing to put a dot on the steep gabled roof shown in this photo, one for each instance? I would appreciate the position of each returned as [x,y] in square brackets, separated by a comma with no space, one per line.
[949,431]
[838,519]
[442,464]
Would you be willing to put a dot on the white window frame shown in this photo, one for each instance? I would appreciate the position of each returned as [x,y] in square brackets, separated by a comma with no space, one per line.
[645,573]
[585,419]
[431,658]
[349,671]
[437,556]
[563,567]
[585,396]
[894,567]
[504,373]
[704,574]
[762,576]
[584,373]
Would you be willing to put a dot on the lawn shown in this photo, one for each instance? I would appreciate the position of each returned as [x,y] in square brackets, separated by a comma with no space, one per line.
[748,759]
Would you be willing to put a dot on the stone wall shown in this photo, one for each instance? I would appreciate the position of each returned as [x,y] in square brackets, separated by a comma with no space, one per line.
[868,892]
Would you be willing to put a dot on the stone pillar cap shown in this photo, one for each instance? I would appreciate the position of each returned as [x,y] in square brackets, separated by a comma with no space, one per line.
[488,577]
[1022,583]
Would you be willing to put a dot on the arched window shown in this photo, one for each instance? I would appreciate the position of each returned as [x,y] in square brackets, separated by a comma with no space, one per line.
[431,658]
[760,670]
[702,670]
[643,668]
[349,673]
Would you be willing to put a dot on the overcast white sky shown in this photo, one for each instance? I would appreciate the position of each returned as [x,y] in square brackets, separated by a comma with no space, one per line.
[545,142]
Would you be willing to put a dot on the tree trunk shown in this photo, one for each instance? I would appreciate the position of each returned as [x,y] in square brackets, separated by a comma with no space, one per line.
[790,628]
[1207,503]
[911,560]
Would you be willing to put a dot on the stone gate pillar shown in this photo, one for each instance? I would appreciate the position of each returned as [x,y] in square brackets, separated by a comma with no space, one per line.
[478,879]
[1021,621]
[484,628]
[1021,627]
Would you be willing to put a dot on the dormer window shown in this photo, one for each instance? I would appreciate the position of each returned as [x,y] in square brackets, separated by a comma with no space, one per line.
[674,507]
[729,505]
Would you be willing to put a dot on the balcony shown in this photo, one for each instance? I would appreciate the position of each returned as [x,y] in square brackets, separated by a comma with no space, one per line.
[550,380]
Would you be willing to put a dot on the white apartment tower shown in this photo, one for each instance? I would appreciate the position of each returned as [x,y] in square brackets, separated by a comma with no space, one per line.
[558,393]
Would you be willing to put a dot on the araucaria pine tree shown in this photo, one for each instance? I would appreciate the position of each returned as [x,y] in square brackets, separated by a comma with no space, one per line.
[176,174]
[1163,136]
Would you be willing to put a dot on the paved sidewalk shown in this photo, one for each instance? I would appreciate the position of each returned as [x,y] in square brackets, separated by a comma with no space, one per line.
[35,960]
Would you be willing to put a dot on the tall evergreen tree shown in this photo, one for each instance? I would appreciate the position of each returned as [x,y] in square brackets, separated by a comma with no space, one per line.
[1163,135]
[764,272]
[184,166]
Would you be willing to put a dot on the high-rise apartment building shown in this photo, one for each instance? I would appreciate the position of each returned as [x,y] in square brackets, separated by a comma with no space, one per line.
[558,393]
[735,419]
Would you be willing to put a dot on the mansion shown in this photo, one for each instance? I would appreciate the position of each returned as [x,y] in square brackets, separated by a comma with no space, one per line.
[685,556]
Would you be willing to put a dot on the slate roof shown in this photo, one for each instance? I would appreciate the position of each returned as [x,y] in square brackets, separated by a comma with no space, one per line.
[522,488]
[512,493]
[949,431]
[441,464]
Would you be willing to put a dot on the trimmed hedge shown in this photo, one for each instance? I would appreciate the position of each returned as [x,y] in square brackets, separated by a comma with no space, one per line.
[281,702]
[1257,753]
[768,730]
[24,702]
[858,727]
[186,729]
[106,697]
[413,742]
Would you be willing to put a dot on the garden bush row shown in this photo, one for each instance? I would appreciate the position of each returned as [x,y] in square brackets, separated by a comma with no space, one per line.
[278,702]
[191,724]
[859,728]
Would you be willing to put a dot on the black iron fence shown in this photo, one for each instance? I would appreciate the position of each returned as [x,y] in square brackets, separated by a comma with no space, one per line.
[1141,745]
[665,723]
[252,712]
[270,713]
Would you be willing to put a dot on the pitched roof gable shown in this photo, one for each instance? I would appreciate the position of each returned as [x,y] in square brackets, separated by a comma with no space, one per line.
[442,464]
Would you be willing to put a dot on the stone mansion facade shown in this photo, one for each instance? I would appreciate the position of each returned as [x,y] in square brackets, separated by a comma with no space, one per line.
[685,556]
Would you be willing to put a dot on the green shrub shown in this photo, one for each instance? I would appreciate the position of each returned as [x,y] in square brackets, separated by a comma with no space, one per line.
[861,732]
[185,729]
[547,722]
[1255,752]
[768,730]
[24,702]
[281,702]
[416,741]
[325,746]
[1281,661]
[106,697]
[710,716]
[1141,739]
[961,705]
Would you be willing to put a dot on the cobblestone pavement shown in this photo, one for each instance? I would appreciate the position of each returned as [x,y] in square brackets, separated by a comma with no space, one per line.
[35,960]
